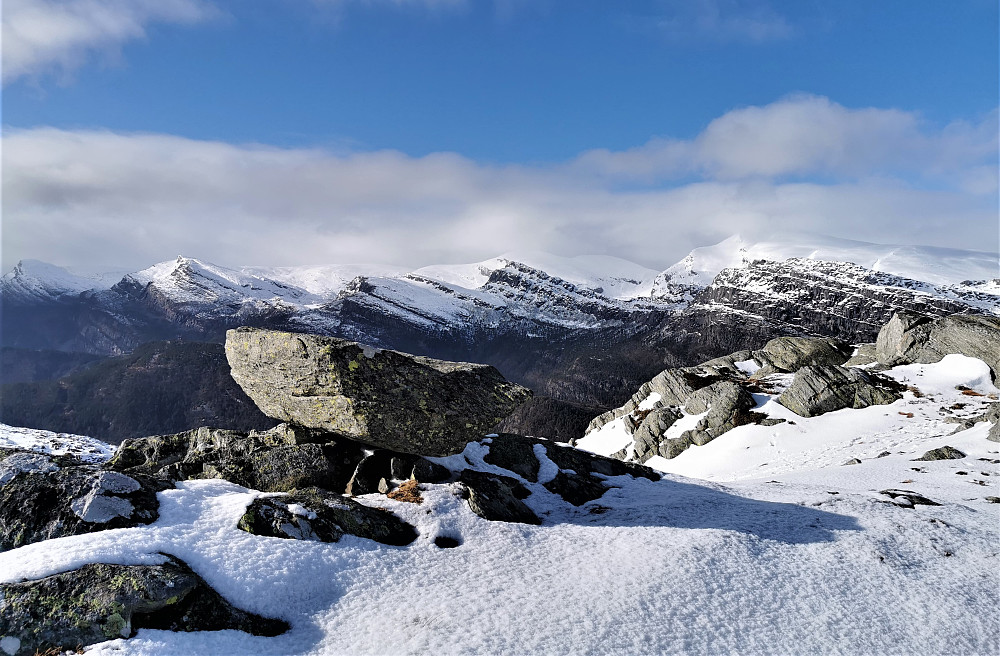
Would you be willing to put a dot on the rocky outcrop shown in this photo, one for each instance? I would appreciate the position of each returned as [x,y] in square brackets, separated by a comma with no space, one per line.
[315,514]
[789,354]
[40,499]
[943,453]
[497,498]
[383,398]
[101,602]
[913,338]
[820,389]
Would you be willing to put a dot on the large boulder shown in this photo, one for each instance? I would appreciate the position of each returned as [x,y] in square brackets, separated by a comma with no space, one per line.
[912,338]
[101,602]
[789,354]
[819,389]
[315,514]
[43,498]
[383,398]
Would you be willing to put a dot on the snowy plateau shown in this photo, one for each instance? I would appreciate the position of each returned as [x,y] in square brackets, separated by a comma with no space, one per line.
[812,535]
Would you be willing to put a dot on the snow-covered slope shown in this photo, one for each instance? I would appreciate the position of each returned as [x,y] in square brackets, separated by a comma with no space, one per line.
[795,553]
[32,280]
[85,448]
[942,266]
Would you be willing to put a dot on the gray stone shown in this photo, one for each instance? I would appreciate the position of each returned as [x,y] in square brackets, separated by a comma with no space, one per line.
[789,354]
[944,453]
[372,473]
[864,354]
[498,498]
[101,602]
[728,406]
[853,461]
[816,390]
[913,338]
[907,499]
[576,489]
[649,434]
[383,398]
[315,514]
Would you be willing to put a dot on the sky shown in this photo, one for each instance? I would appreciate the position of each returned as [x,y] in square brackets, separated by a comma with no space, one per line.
[413,132]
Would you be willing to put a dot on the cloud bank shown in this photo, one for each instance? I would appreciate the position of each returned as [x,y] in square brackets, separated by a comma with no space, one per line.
[803,163]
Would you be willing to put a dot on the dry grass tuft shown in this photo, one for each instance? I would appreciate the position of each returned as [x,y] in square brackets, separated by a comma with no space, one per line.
[915,390]
[908,415]
[408,492]
[970,392]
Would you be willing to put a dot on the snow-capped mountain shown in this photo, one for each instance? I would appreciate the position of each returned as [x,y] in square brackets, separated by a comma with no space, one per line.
[537,316]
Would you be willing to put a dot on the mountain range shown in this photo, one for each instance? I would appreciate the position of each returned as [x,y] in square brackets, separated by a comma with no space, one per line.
[581,330]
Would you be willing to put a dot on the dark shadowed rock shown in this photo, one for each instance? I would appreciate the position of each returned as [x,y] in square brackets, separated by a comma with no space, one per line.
[515,453]
[576,488]
[789,354]
[315,514]
[908,499]
[384,398]
[372,474]
[819,389]
[102,602]
[944,453]
[277,460]
[40,500]
[498,498]
[909,337]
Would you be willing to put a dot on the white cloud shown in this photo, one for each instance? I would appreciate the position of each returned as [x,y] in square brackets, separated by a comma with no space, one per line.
[723,21]
[810,136]
[58,36]
[75,197]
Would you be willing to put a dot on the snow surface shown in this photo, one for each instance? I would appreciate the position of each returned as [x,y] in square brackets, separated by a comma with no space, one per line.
[87,449]
[798,554]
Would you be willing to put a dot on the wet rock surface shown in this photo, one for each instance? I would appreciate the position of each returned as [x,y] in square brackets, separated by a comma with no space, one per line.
[383,398]
[101,602]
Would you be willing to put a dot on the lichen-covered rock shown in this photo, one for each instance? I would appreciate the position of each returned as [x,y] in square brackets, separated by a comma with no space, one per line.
[820,389]
[315,514]
[383,398]
[102,602]
[789,354]
[497,498]
[943,453]
[909,337]
[514,453]
[40,501]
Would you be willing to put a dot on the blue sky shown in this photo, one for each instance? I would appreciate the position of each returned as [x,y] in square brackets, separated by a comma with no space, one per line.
[414,131]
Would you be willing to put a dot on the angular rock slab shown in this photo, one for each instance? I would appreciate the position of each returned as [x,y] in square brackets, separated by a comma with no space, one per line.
[820,389]
[383,398]
[909,337]
[790,354]
[102,602]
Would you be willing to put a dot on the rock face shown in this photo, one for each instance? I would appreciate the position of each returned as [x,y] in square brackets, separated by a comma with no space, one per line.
[498,498]
[383,398]
[40,499]
[943,453]
[789,354]
[102,602]
[909,337]
[315,514]
[819,389]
